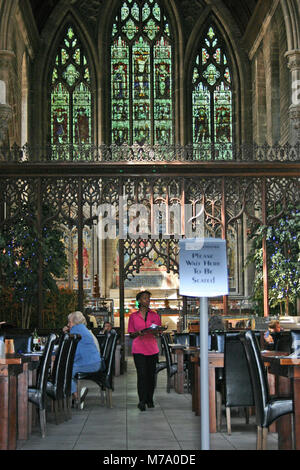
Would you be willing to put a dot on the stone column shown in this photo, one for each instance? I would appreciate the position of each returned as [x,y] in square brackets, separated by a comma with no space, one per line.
[5,116]
[7,59]
[293,58]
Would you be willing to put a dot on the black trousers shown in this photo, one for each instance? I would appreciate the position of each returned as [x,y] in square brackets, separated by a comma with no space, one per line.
[145,368]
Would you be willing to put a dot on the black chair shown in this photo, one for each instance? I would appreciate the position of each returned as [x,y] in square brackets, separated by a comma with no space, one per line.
[182,338]
[282,341]
[160,365]
[37,394]
[195,340]
[103,379]
[67,388]
[268,409]
[102,340]
[55,383]
[22,343]
[294,343]
[236,387]
[170,365]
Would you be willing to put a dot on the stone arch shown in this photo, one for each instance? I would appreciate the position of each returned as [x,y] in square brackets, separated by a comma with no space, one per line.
[240,68]
[103,41]
[291,15]
[51,37]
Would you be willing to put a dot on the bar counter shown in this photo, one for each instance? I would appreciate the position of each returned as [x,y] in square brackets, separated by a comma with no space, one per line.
[16,372]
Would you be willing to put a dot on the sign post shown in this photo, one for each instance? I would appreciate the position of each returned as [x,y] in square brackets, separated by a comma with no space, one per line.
[203,273]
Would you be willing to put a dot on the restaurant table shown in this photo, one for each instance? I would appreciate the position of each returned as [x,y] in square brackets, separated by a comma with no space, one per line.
[287,381]
[215,359]
[15,376]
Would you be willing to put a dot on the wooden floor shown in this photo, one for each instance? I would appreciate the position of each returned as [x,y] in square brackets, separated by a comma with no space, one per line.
[171,425]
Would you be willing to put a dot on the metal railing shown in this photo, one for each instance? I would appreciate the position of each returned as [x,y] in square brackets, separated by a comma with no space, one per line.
[86,153]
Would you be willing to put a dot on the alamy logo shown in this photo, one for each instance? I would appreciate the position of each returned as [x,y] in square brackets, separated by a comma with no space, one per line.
[141,221]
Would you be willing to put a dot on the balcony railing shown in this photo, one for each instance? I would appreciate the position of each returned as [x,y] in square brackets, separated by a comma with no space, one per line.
[159,153]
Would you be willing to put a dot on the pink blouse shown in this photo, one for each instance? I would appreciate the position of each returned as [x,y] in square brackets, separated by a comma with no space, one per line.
[147,343]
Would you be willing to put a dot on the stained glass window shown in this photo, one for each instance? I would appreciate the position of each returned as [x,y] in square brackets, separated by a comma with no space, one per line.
[71,98]
[212,99]
[141,75]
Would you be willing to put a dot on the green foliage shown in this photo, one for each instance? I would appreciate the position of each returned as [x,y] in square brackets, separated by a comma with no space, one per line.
[20,246]
[283,243]
[57,306]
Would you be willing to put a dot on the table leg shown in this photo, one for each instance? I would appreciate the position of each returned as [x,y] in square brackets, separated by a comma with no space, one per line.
[8,410]
[284,424]
[23,407]
[272,390]
[212,400]
[296,386]
[179,378]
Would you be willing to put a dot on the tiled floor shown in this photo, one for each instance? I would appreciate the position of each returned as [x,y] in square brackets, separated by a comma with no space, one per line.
[171,425]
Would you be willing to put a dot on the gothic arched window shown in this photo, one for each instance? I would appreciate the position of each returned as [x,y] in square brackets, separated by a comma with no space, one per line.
[141,75]
[71,98]
[212,99]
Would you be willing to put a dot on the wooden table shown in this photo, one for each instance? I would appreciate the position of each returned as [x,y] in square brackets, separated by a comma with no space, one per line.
[15,376]
[287,373]
[215,359]
[180,350]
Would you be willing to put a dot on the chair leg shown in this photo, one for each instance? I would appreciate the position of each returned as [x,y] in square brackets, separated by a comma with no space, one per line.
[259,438]
[102,396]
[108,393]
[264,438]
[67,408]
[79,387]
[56,411]
[42,415]
[219,410]
[168,384]
[247,414]
[228,420]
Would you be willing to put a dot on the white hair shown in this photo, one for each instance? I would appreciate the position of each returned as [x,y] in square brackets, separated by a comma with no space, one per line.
[77,318]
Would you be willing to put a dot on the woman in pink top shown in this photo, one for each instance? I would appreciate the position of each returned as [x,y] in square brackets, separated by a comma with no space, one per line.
[144,349]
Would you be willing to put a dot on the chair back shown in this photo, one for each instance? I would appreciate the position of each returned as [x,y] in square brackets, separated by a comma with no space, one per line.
[295,342]
[182,338]
[167,352]
[257,373]
[195,340]
[238,387]
[44,366]
[102,340]
[220,341]
[22,343]
[59,367]
[109,358]
[74,340]
[284,341]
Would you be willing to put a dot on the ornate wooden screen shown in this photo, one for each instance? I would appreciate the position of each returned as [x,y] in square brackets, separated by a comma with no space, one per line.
[229,202]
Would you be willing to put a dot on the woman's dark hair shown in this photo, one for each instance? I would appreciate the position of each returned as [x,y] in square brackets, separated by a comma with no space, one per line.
[139,294]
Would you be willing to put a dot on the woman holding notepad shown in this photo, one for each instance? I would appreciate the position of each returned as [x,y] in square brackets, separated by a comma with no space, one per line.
[144,348]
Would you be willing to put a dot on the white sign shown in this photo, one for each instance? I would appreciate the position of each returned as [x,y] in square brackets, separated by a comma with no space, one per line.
[203,267]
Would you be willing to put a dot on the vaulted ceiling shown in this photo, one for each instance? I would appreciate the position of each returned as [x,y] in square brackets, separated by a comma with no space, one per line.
[241,10]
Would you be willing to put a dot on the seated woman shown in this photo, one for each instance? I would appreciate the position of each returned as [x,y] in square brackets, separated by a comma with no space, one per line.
[87,356]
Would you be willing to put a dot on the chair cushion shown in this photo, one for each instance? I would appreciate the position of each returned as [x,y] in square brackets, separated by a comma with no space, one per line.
[160,366]
[277,407]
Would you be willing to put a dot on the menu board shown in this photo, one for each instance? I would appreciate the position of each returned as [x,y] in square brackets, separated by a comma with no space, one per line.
[203,267]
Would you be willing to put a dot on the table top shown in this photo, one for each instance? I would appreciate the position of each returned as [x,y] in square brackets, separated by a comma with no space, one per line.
[280,357]
[15,358]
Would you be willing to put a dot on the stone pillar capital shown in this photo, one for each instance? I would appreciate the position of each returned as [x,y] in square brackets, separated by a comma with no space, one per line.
[293,58]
